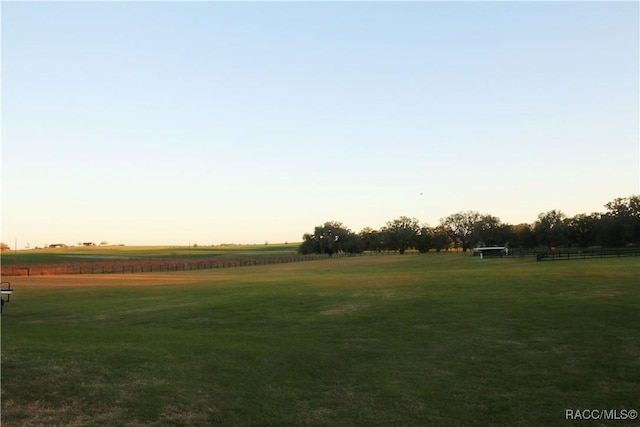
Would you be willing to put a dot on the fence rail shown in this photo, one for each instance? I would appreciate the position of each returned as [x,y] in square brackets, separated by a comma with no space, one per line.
[152,265]
[163,265]
[559,255]
[166,265]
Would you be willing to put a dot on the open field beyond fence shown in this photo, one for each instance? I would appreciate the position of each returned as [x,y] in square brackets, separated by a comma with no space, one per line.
[445,340]
[567,254]
[125,259]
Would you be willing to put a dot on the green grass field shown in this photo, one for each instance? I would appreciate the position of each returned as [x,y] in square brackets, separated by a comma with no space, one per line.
[415,340]
[105,253]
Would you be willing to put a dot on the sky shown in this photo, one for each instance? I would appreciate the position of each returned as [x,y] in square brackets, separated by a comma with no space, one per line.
[153,123]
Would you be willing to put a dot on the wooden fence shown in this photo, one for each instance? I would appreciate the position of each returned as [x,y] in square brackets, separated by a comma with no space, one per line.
[165,265]
[151,265]
[567,254]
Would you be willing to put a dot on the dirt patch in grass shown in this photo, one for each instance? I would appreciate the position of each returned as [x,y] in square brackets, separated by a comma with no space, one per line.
[38,414]
[84,281]
[343,309]
[176,415]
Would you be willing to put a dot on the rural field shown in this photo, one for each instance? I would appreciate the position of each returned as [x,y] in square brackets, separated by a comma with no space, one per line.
[139,259]
[413,340]
[75,254]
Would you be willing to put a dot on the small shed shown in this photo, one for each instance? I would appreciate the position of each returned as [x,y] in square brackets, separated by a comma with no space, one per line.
[491,251]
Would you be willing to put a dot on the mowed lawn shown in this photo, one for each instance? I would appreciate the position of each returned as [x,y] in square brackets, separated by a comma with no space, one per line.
[414,340]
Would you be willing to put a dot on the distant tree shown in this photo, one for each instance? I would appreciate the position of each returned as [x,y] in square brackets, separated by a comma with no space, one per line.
[400,234]
[439,239]
[626,207]
[372,240]
[523,236]
[4,247]
[609,232]
[104,243]
[330,238]
[550,229]
[582,230]
[618,226]
[489,231]
[460,227]
[423,239]
[622,220]
[351,243]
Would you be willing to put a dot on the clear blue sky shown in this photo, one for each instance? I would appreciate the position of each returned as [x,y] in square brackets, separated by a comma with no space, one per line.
[213,122]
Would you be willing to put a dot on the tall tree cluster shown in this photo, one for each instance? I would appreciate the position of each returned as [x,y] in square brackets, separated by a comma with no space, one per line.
[618,226]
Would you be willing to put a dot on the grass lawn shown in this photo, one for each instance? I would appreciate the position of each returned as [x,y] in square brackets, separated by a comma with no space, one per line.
[415,340]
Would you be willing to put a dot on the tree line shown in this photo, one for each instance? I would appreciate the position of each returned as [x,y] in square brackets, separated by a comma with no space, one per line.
[617,226]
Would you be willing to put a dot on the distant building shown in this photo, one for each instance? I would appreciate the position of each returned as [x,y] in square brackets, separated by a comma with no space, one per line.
[491,251]
[57,245]
[88,244]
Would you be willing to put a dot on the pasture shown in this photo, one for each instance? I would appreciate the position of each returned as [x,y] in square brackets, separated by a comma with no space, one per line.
[414,340]
[86,254]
